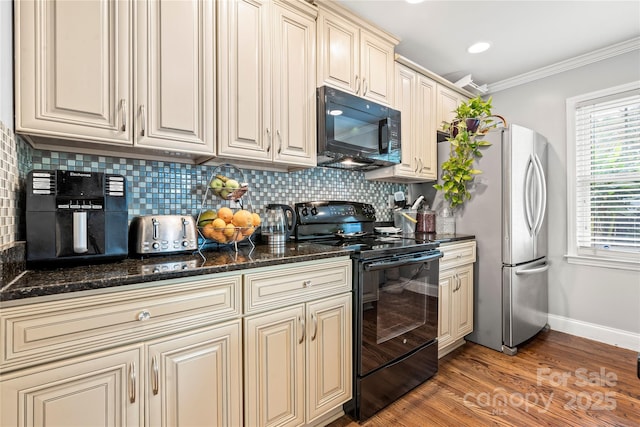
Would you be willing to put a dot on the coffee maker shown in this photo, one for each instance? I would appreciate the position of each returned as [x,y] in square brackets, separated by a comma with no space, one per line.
[76,216]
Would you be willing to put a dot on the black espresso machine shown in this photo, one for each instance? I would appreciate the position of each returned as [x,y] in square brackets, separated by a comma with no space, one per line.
[76,216]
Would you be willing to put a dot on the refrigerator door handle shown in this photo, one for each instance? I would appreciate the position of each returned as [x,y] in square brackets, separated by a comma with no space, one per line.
[536,270]
[542,203]
[527,195]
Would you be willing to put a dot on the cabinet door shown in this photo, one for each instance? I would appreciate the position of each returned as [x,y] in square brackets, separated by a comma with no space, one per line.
[194,378]
[405,102]
[244,73]
[101,389]
[274,368]
[338,53]
[294,100]
[376,67]
[448,101]
[73,69]
[445,314]
[463,301]
[425,143]
[329,366]
[175,76]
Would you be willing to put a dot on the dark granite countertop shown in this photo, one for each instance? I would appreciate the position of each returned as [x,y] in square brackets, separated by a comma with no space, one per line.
[66,280]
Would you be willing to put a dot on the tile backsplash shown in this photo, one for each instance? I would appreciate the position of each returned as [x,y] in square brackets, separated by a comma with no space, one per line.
[157,187]
[9,187]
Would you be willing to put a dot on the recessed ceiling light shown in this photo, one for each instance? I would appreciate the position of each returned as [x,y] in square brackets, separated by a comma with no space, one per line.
[478,47]
[414,1]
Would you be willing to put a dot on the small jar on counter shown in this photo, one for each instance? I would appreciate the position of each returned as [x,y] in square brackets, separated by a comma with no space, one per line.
[426,221]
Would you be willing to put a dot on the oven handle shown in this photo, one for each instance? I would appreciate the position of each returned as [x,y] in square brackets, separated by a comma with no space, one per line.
[380,265]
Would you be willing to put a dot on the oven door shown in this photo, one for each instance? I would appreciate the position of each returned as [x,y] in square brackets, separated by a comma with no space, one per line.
[397,307]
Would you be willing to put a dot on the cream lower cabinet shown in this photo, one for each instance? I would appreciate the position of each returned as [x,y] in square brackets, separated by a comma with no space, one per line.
[102,389]
[455,296]
[298,362]
[298,353]
[267,82]
[167,355]
[415,97]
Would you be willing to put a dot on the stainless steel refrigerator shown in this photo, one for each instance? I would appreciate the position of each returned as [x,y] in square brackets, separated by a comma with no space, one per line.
[508,216]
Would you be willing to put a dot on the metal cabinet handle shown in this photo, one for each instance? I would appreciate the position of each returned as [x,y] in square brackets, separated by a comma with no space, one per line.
[417,165]
[357,84]
[279,141]
[304,330]
[123,110]
[365,88]
[144,315]
[132,382]
[143,120]
[269,142]
[155,377]
[315,326]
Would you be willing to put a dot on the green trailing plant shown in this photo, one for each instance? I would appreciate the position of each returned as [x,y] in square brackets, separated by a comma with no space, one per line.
[473,119]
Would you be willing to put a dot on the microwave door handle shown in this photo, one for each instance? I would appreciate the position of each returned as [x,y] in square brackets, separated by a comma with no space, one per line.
[381,265]
[383,136]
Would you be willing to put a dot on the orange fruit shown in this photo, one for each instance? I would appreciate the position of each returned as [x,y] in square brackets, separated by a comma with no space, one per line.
[219,237]
[248,231]
[255,219]
[225,214]
[219,224]
[242,219]
[208,230]
[229,230]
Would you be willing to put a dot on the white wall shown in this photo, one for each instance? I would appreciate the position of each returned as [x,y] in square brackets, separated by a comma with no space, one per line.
[602,297]
[6,63]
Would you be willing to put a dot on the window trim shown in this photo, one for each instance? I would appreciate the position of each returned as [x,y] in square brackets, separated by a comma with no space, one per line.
[617,260]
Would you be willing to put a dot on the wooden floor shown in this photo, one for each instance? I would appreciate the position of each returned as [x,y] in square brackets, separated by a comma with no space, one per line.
[555,380]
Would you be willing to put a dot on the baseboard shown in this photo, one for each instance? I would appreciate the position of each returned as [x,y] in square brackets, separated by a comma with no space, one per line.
[612,336]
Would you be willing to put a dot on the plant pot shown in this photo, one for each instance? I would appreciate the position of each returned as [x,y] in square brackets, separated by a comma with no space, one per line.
[471,124]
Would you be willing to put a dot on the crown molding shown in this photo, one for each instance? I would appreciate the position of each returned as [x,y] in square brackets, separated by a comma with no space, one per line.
[569,64]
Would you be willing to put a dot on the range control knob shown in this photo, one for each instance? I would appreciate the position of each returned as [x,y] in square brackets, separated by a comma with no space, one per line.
[305,212]
[314,211]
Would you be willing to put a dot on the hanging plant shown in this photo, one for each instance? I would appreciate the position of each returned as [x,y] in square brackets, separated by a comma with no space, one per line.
[473,119]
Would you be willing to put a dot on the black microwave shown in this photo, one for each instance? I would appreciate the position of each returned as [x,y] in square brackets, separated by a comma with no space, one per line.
[354,133]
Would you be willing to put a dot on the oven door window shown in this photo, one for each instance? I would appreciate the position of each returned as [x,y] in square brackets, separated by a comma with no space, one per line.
[398,311]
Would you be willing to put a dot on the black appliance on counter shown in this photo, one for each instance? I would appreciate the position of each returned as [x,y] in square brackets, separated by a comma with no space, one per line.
[395,301]
[76,216]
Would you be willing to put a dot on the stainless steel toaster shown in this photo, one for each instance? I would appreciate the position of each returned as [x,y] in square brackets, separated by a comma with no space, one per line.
[161,234]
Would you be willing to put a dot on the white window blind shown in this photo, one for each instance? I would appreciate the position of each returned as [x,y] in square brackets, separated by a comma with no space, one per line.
[607,182]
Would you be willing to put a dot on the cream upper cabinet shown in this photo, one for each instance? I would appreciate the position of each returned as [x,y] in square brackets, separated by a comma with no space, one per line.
[353,55]
[73,69]
[80,77]
[267,82]
[104,389]
[448,101]
[415,98]
[175,75]
[455,305]
[195,378]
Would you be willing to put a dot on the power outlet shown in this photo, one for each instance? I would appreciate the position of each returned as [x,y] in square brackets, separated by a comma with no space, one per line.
[391,202]
[234,204]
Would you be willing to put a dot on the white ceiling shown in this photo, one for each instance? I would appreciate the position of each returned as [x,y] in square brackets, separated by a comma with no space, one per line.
[524,35]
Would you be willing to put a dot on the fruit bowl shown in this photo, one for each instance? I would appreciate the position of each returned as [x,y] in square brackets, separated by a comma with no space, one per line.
[226,226]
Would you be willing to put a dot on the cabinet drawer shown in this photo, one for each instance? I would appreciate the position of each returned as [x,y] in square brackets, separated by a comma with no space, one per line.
[48,331]
[458,254]
[294,283]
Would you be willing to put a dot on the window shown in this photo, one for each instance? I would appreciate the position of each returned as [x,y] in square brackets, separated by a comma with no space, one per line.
[603,177]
